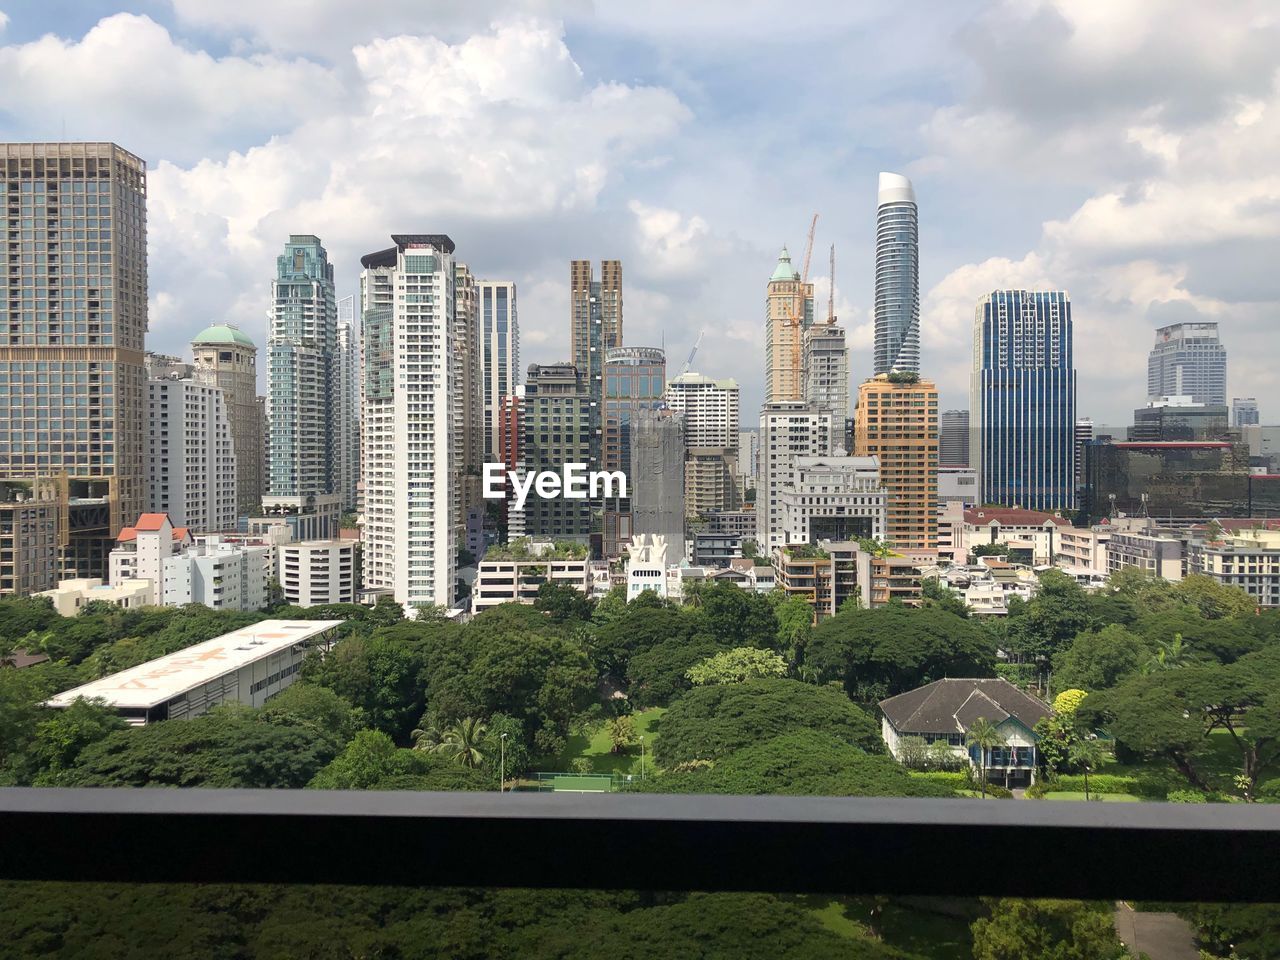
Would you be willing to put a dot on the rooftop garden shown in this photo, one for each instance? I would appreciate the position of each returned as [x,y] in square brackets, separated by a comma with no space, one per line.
[522,549]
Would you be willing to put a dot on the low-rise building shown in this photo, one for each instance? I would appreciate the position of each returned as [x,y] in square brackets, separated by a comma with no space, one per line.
[834,572]
[1156,552]
[513,573]
[248,666]
[316,572]
[1021,528]
[1244,557]
[1084,548]
[716,549]
[945,711]
[70,596]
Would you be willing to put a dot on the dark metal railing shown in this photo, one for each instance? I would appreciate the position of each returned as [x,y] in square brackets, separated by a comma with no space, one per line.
[783,844]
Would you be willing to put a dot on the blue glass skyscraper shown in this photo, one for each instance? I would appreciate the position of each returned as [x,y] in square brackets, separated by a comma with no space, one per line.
[1023,400]
[897,308]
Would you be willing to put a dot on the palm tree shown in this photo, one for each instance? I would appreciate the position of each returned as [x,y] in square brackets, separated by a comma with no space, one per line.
[984,736]
[461,742]
[1086,753]
[1169,655]
[426,739]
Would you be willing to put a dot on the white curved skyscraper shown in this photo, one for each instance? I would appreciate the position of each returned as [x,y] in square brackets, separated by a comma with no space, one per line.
[897,346]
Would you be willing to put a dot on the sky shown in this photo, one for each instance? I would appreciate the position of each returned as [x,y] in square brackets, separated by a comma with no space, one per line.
[1121,150]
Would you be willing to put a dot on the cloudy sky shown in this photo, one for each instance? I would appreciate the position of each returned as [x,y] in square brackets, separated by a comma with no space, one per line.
[1123,150]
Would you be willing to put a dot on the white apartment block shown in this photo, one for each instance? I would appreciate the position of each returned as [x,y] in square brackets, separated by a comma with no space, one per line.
[788,429]
[710,409]
[518,580]
[1084,548]
[409,533]
[833,498]
[316,572]
[1246,558]
[500,356]
[191,458]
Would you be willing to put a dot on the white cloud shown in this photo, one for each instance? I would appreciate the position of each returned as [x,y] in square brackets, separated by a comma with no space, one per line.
[4,19]
[129,80]
[671,245]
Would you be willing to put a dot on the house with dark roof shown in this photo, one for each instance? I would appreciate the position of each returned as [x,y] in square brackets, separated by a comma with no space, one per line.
[1031,535]
[944,711]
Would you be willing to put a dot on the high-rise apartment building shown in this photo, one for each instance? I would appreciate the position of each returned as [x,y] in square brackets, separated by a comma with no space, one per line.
[302,389]
[953,438]
[749,454]
[1084,433]
[348,404]
[469,419]
[73,315]
[788,313]
[556,418]
[227,358]
[826,370]
[787,430]
[191,458]
[1022,400]
[1244,412]
[500,356]
[710,409]
[407,316]
[595,327]
[833,498]
[655,473]
[1188,360]
[897,293]
[634,381]
[897,422]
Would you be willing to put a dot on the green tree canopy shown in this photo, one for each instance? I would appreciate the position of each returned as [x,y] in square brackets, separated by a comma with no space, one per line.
[659,674]
[1046,930]
[1056,614]
[710,722]
[736,617]
[736,666]
[1099,659]
[882,652]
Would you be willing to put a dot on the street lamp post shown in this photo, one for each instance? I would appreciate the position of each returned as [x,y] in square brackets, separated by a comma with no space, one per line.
[642,756]
[502,762]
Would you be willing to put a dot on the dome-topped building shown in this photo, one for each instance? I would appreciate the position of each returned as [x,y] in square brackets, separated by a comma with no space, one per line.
[226,357]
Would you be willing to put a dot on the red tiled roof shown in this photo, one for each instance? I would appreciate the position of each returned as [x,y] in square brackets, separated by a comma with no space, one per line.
[151,521]
[1007,517]
[126,534]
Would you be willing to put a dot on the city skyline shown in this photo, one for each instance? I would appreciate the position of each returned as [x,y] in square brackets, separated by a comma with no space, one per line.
[1091,206]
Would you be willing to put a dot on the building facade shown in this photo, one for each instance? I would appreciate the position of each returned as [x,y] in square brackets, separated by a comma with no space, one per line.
[29,523]
[225,357]
[348,405]
[897,423]
[317,572]
[634,380]
[1188,359]
[1180,418]
[710,409]
[191,458]
[897,291]
[1244,412]
[657,481]
[500,356]
[833,498]
[826,370]
[595,327]
[73,316]
[787,430]
[1022,400]
[788,313]
[953,438]
[302,386]
[408,538]
[556,428]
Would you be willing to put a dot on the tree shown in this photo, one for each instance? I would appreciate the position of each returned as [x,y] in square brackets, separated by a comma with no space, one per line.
[882,652]
[944,598]
[737,666]
[1214,600]
[1086,753]
[1067,702]
[63,734]
[461,742]
[563,602]
[1169,655]
[736,617]
[622,733]
[1099,659]
[371,757]
[795,625]
[229,747]
[314,707]
[1048,929]
[710,722]
[983,735]
[659,675]
[801,763]
[511,753]
[1051,620]
[639,628]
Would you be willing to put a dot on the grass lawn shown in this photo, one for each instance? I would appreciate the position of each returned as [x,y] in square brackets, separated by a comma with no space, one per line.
[1079,795]
[1219,762]
[595,746]
[913,930]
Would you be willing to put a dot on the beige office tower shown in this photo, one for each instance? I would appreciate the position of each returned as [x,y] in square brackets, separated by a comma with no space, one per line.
[73,317]
[225,357]
[595,308]
[898,423]
[788,313]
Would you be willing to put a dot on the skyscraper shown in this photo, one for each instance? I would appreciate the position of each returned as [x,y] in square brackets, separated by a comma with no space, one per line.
[897,304]
[348,404]
[500,352]
[73,315]
[953,438]
[826,371]
[788,313]
[787,430]
[1188,360]
[469,423]
[634,380]
[655,471]
[595,327]
[1022,400]
[226,358]
[302,391]
[711,419]
[410,531]
[555,419]
[897,423]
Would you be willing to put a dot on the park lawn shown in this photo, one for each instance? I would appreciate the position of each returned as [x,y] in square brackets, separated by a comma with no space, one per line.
[595,746]
[1079,795]
[914,931]
[1220,762]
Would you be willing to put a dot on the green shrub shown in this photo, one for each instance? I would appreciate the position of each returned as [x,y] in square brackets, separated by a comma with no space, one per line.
[1019,674]
[1186,796]
[955,779]
[1042,786]
[1269,791]
[1112,783]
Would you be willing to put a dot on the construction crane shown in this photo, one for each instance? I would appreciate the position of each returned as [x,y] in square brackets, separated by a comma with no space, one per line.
[831,292]
[796,320]
[692,353]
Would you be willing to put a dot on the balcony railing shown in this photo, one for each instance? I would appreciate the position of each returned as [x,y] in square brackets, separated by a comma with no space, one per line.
[1151,851]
